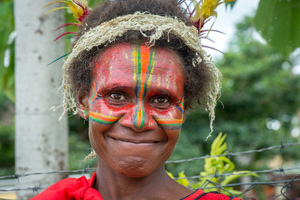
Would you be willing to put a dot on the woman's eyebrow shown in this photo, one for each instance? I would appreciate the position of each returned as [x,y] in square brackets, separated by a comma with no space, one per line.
[117,87]
[171,94]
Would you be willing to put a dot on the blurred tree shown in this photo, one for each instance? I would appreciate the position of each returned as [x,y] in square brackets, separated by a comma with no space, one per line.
[278,23]
[259,98]
[7,36]
[7,159]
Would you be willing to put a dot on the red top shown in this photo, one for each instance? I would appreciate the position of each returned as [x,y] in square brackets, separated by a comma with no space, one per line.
[82,189]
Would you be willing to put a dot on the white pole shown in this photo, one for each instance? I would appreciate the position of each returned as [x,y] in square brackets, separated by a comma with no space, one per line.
[41,141]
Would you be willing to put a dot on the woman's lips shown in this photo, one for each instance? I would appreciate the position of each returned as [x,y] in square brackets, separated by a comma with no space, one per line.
[135,141]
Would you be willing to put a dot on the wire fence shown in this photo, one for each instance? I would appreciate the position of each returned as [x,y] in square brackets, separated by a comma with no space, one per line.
[283,185]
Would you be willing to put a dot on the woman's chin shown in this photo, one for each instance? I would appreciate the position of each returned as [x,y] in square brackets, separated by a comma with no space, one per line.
[135,170]
[139,173]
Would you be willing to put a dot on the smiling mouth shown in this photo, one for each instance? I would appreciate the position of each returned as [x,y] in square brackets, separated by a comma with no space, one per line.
[136,141]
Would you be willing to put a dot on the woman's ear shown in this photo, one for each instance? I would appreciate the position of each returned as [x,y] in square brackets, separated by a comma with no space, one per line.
[83,103]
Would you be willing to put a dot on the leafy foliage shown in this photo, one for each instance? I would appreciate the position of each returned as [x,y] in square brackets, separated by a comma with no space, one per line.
[258,92]
[260,97]
[7,48]
[220,165]
[7,136]
[230,4]
[278,22]
[7,158]
[216,165]
[183,181]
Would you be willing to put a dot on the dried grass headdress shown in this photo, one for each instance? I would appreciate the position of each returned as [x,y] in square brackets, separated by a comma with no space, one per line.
[199,11]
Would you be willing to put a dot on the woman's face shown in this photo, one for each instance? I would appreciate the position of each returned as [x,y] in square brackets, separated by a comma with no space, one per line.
[135,107]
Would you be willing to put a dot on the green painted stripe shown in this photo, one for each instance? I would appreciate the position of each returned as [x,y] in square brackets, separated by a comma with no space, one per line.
[101,121]
[170,124]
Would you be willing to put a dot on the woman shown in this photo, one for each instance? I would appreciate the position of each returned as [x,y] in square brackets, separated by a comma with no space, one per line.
[135,69]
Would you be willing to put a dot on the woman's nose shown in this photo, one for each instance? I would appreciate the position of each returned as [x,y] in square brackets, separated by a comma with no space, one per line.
[138,118]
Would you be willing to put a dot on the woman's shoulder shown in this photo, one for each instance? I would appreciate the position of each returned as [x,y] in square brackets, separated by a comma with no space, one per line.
[71,188]
[201,195]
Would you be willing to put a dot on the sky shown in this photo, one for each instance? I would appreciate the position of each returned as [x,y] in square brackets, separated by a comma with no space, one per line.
[225,22]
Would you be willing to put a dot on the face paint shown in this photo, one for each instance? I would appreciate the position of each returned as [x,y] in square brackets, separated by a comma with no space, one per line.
[94,93]
[136,107]
[144,66]
[144,63]
[173,124]
[96,116]
[102,119]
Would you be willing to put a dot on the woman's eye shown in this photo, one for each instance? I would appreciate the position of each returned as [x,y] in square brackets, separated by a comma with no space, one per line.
[161,100]
[117,96]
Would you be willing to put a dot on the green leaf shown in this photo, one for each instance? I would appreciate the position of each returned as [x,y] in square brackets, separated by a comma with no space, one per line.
[230,4]
[228,166]
[278,23]
[170,174]
[183,182]
[236,175]
[217,147]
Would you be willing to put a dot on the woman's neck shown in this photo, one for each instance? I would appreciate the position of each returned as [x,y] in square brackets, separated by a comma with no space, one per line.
[158,185]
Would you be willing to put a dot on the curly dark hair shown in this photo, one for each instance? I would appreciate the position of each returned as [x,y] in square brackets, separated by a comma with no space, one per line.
[197,79]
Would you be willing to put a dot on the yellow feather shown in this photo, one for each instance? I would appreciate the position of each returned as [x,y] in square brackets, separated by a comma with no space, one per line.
[76,10]
[55,9]
[53,3]
[206,8]
[77,7]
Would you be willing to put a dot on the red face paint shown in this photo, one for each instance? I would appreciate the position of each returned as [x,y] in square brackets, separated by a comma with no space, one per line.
[136,105]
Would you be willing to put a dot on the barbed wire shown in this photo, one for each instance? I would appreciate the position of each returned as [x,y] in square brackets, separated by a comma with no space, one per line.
[271,183]
[280,170]
[284,184]
[253,184]
[86,170]
[282,146]
[216,175]
[82,171]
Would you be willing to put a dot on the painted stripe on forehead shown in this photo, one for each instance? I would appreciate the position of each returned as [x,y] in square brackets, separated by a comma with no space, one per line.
[143,59]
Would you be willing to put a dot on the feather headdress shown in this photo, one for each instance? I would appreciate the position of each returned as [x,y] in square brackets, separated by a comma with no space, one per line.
[79,8]
[201,11]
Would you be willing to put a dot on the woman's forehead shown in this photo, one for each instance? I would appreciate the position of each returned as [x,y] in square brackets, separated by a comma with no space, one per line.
[133,58]
[138,66]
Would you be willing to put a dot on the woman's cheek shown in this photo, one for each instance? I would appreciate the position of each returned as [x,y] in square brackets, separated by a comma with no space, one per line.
[103,113]
[170,119]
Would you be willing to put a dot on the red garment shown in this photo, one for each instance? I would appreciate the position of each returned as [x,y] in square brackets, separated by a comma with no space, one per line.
[71,189]
[81,189]
[201,195]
